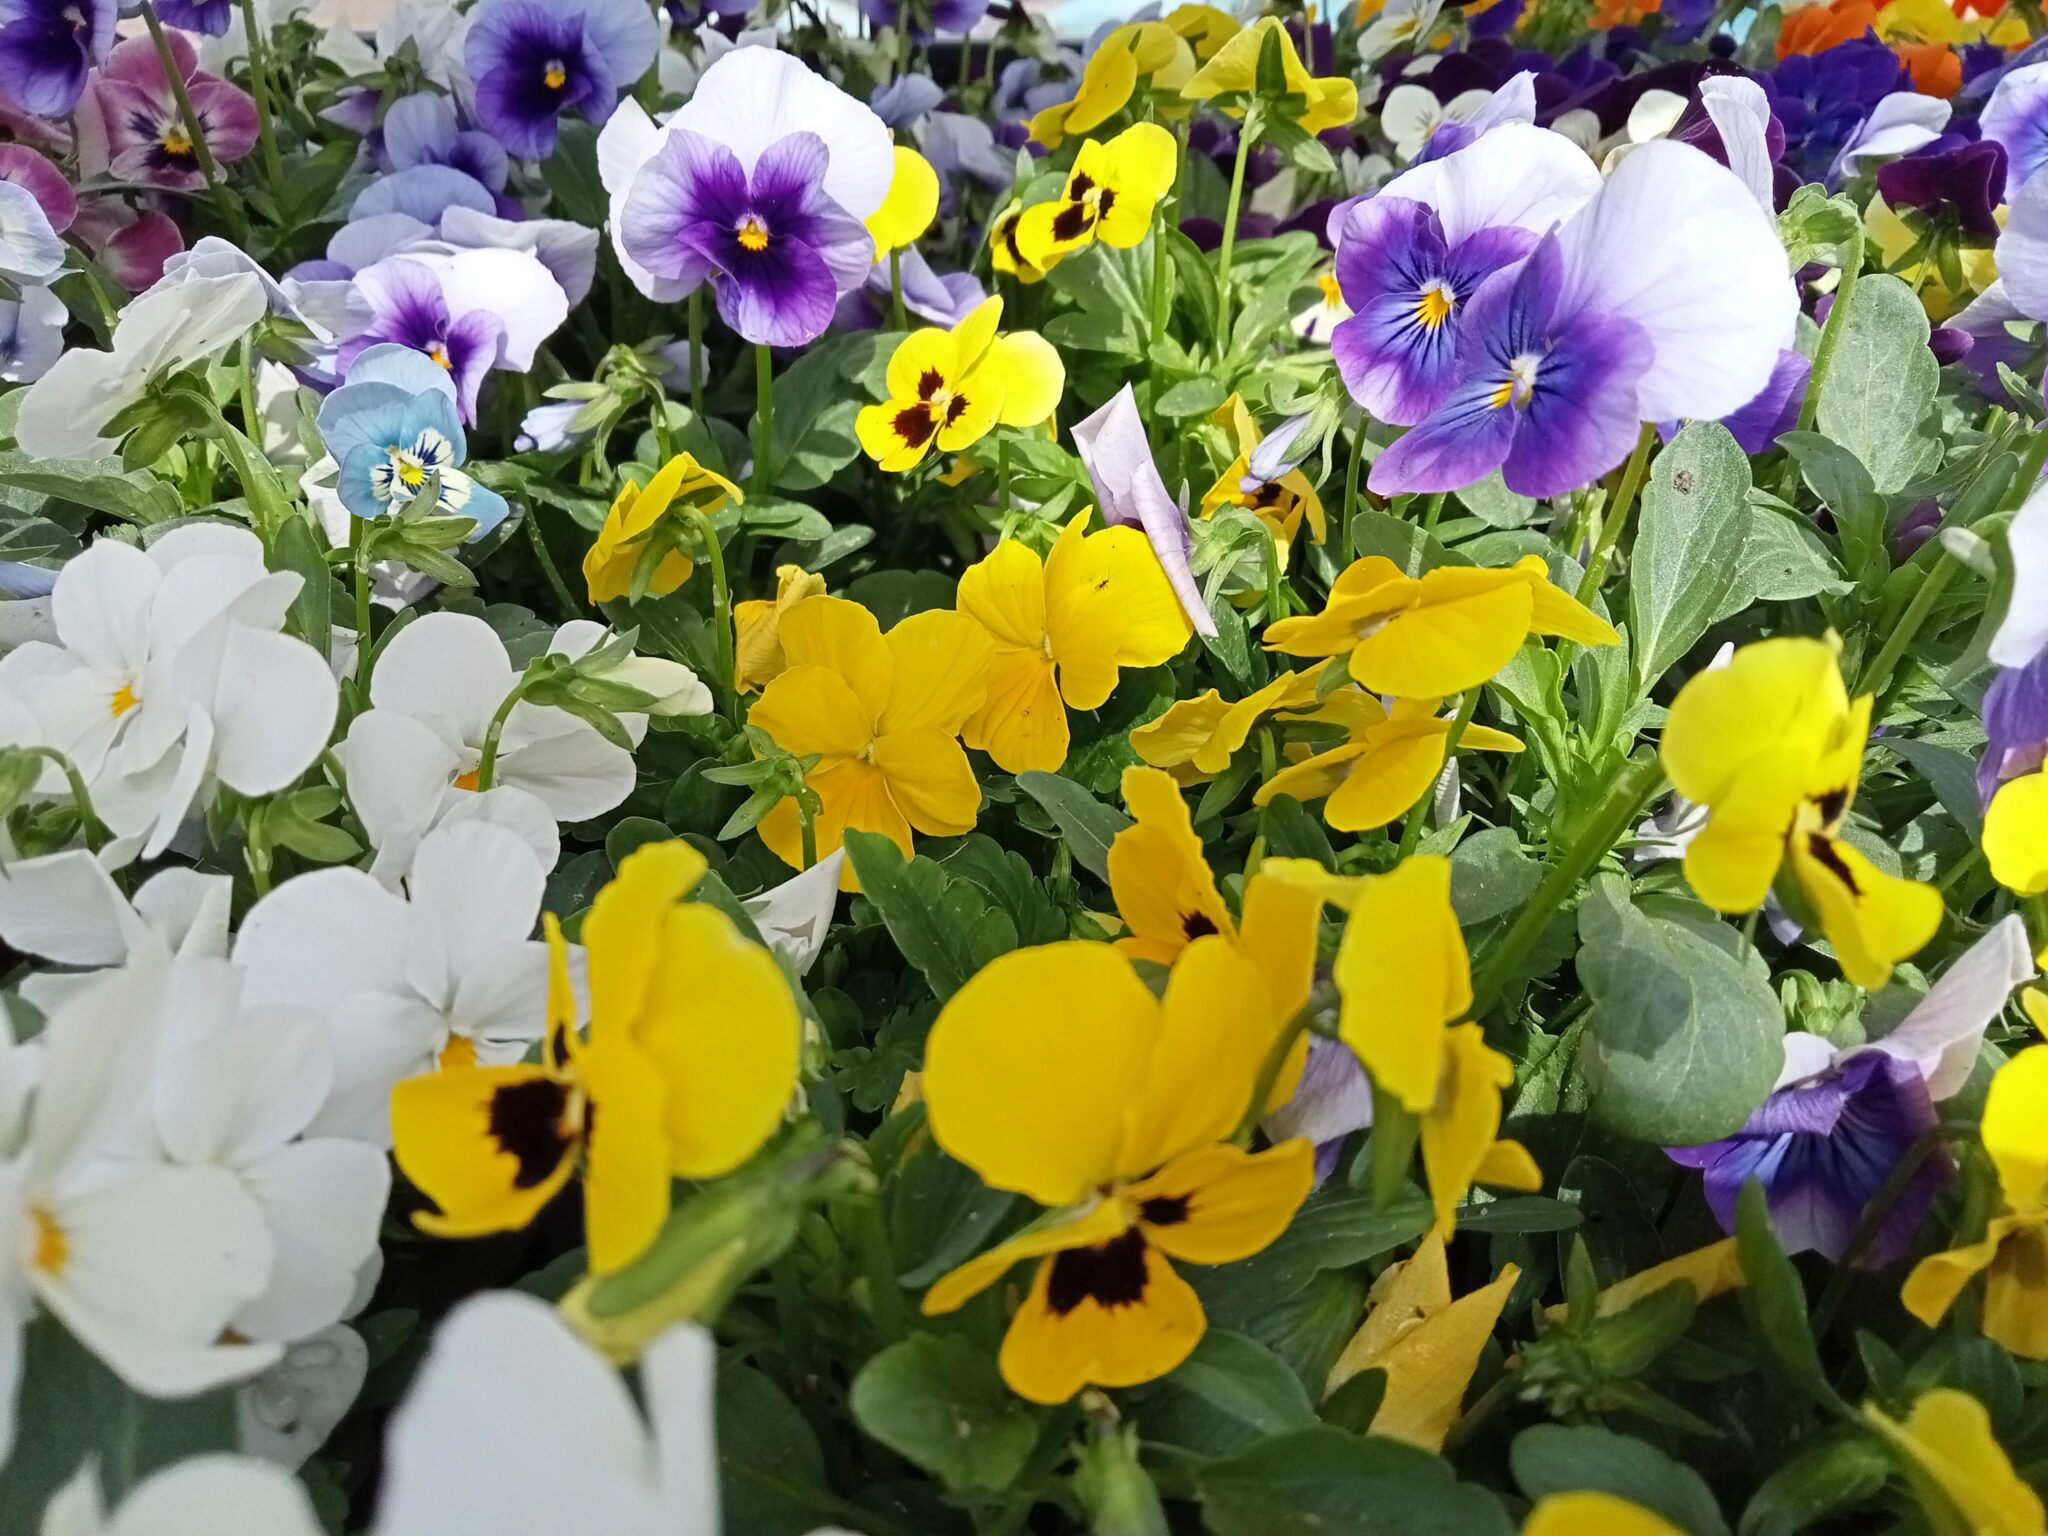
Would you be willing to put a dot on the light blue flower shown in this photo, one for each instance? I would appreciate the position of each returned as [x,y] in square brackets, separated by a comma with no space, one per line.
[392,427]
[30,251]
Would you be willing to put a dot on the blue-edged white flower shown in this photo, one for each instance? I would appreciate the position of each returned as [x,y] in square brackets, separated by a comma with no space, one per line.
[394,428]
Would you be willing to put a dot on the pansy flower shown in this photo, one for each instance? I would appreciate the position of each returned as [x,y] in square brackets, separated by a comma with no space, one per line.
[633,531]
[949,389]
[1063,626]
[685,1069]
[146,131]
[1113,447]
[392,427]
[1773,746]
[1388,760]
[1055,1072]
[913,202]
[883,714]
[1233,73]
[423,129]
[1280,504]
[1140,52]
[757,628]
[1195,739]
[1956,1467]
[1005,254]
[533,60]
[1441,633]
[1109,196]
[47,48]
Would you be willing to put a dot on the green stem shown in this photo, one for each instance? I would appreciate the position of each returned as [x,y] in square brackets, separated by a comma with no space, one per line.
[570,607]
[1003,473]
[1245,135]
[664,440]
[1418,813]
[2031,464]
[1636,782]
[721,598]
[1319,1000]
[885,1293]
[359,551]
[1160,260]
[896,290]
[1347,548]
[1617,519]
[764,421]
[807,824]
[697,352]
[209,170]
[1831,333]
[1431,511]
[1932,585]
[487,763]
[259,88]
[257,854]
[246,385]
[89,822]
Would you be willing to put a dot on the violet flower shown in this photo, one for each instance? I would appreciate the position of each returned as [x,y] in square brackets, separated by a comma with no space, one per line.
[1332,1100]
[422,129]
[2015,725]
[146,134]
[2016,119]
[776,249]
[50,187]
[534,60]
[212,17]
[954,17]
[1964,184]
[1119,461]
[1757,426]
[1839,1122]
[47,47]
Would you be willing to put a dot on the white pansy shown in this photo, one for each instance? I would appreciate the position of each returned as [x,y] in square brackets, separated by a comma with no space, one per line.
[516,1427]
[64,907]
[1400,25]
[65,413]
[795,916]
[217,1495]
[397,978]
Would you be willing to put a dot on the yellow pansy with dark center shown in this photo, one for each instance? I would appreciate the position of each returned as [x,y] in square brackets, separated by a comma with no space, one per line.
[1109,196]
[950,388]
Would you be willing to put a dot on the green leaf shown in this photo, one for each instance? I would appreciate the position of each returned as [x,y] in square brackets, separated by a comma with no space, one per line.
[1231,1392]
[944,927]
[572,177]
[1844,485]
[1782,559]
[298,548]
[1774,1300]
[1816,227]
[1878,391]
[133,495]
[1952,776]
[1334,1230]
[1317,1481]
[1521,1214]
[1087,825]
[1414,551]
[1007,879]
[630,833]
[770,1467]
[1833,1472]
[940,1213]
[814,409]
[1495,505]
[1115,1489]
[1191,397]
[1554,1458]
[1491,876]
[940,1402]
[1684,1040]
[1692,527]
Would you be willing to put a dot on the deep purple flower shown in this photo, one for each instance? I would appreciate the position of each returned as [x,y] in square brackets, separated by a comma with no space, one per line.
[1821,1148]
[409,307]
[1407,287]
[146,134]
[956,17]
[2015,725]
[1964,184]
[1949,345]
[776,249]
[46,48]
[534,60]
[1916,528]
[1207,233]
[1823,98]
[209,16]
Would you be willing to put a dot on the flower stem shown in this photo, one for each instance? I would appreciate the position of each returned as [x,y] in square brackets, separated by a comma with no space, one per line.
[1411,828]
[1635,783]
[1624,499]
[487,762]
[1431,511]
[896,290]
[570,607]
[1245,135]
[259,88]
[1160,258]
[807,824]
[764,420]
[697,352]
[1831,333]
[89,822]
[359,551]
[257,854]
[721,599]
[209,170]
[1879,673]
[1348,545]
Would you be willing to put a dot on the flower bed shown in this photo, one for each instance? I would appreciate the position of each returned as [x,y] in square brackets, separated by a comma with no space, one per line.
[893,774]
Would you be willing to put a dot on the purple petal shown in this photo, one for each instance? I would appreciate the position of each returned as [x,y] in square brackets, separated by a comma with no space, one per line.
[688,182]
[1581,418]
[780,297]
[1119,461]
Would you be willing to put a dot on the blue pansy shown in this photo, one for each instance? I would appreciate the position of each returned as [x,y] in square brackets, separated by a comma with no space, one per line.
[393,426]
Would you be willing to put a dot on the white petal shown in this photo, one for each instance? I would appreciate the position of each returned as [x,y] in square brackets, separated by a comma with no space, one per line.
[323,937]
[1943,1032]
[287,1413]
[187,910]
[399,772]
[500,1001]
[1409,116]
[1674,241]
[66,411]
[76,1509]
[571,769]
[2021,252]
[273,709]
[65,907]
[2023,632]
[1655,114]
[516,811]
[217,1495]
[97,1051]
[795,916]
[1518,174]
[1741,114]
[1899,124]
[627,141]
[377,1039]
[474,888]
[233,1083]
[448,664]
[1805,1056]
[102,607]
[323,1201]
[514,286]
[678,1375]
[515,1427]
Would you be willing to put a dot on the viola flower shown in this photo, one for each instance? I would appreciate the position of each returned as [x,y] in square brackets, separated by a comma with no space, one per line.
[391,427]
[1385,765]
[2015,726]
[1427,1344]
[1431,636]
[1331,1099]
[31,252]
[911,205]
[1109,196]
[1280,504]
[1964,184]
[1195,739]
[2016,834]
[1946,1445]
[1896,124]
[1589,1512]
[1120,466]
[2016,119]
[249,1493]
[423,129]
[1317,323]
[757,628]
[637,529]
[1839,1122]
[1411,258]
[1130,1152]
[50,187]
[1005,254]
[48,46]
[31,335]
[1150,53]
[146,133]
[1062,627]
[883,714]
[949,389]
[1233,73]
[777,250]
[950,17]
[1664,297]
[684,1071]
[534,60]
[1772,745]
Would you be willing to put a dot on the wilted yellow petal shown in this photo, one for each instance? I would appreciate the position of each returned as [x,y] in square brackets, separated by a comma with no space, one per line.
[1458,1132]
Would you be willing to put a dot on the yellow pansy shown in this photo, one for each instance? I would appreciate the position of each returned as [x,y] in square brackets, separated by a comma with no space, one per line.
[1957,1467]
[882,713]
[1389,761]
[1205,27]
[1234,71]
[951,388]
[1062,628]
[757,625]
[1196,738]
[1773,746]
[1431,636]
[2016,835]
[910,206]
[1056,1073]
[1895,240]
[1109,196]
[1279,504]
[685,1070]
[634,517]
[1140,50]
[2013,1257]
[1428,1344]
[1004,252]
[1589,1512]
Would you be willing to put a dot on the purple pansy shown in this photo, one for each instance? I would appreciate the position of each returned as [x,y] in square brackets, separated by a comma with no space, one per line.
[423,129]
[954,17]
[534,60]
[47,47]
[49,186]
[408,307]
[146,134]
[2015,725]
[211,17]
[2016,118]
[1757,426]
[1332,1100]
[1964,183]
[776,249]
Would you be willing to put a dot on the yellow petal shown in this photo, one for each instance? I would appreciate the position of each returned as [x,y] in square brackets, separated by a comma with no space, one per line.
[1874,920]
[1030,375]
[1108,604]
[909,207]
[1111,1316]
[1313,778]
[1158,874]
[1278,935]
[1220,1203]
[1402,759]
[1023,722]
[1937,1280]
[833,633]
[1215,1026]
[1004,592]
[2016,1288]
[626,1165]
[1732,860]
[1776,697]
[1205,27]
[923,357]
[1090,1226]
[1187,726]
[759,627]
[1404,976]
[896,434]
[1106,85]
[1458,1133]
[1406,1294]
[930,780]
[722,1032]
[813,710]
[622,931]
[1464,626]
[2015,1128]
[1557,612]
[1029,1068]
[851,794]
[1589,1512]
[489,1145]
[1140,164]
[941,661]
[1946,1443]
[2016,835]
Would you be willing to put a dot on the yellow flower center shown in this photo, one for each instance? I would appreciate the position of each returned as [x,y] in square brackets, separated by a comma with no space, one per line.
[175,140]
[1519,384]
[124,700]
[554,77]
[410,472]
[471,780]
[1433,305]
[458,1054]
[438,351]
[753,234]
[52,1249]
[1332,294]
